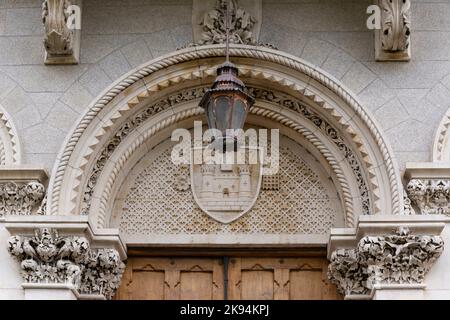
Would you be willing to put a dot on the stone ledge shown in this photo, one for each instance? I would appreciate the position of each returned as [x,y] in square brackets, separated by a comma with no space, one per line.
[23,173]
[427,170]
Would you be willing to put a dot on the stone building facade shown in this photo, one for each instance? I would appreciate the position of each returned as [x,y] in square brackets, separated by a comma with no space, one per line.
[92,207]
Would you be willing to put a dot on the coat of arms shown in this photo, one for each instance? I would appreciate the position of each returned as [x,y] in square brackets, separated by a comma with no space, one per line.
[226,191]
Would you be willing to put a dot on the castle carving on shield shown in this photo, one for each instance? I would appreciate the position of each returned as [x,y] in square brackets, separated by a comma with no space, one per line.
[226,187]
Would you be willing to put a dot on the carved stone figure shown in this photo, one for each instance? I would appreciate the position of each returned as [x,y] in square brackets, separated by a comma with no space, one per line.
[49,258]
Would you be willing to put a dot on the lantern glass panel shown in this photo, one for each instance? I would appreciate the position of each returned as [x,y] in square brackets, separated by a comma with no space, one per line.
[223,110]
[239,114]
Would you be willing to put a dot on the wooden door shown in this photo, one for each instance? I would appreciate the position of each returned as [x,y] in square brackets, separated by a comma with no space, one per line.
[248,279]
[172,279]
[280,279]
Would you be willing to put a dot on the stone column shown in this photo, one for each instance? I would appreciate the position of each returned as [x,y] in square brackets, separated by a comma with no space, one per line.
[385,257]
[63,258]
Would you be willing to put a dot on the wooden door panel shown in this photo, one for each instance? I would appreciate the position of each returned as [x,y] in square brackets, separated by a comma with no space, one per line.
[280,279]
[248,279]
[172,279]
[196,286]
[305,285]
[257,285]
[147,286]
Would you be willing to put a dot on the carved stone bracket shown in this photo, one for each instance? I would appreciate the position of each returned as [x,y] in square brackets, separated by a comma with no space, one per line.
[62,251]
[22,190]
[428,187]
[392,41]
[381,259]
[62,43]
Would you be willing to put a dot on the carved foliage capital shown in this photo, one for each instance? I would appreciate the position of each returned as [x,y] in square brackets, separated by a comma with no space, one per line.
[20,198]
[47,257]
[431,196]
[401,258]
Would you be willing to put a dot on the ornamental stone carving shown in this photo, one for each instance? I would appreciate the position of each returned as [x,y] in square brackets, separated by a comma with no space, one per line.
[401,258]
[47,257]
[347,272]
[431,196]
[210,23]
[61,43]
[19,198]
[393,40]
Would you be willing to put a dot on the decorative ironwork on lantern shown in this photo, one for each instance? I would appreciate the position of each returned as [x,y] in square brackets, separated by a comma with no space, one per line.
[227,103]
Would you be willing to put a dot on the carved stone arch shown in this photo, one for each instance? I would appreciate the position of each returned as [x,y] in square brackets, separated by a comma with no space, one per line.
[10,148]
[152,132]
[160,83]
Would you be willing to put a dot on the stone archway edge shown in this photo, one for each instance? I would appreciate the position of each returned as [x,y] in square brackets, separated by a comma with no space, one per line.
[194,53]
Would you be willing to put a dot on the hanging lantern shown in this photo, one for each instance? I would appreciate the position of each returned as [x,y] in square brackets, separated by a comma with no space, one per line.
[227,104]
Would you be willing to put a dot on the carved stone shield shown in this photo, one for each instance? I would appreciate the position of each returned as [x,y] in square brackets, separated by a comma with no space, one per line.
[227,191]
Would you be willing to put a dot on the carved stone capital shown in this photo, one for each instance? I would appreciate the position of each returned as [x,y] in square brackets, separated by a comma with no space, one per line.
[384,252]
[392,41]
[22,190]
[67,254]
[401,258]
[62,44]
[431,196]
[347,273]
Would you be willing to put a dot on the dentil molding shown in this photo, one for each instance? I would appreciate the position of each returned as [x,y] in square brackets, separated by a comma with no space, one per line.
[62,44]
[393,40]
[384,252]
[62,250]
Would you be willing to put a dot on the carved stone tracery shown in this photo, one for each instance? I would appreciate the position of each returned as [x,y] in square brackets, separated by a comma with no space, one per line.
[47,257]
[401,258]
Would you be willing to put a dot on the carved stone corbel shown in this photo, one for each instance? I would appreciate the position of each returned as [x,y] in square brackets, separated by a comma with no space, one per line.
[393,40]
[56,252]
[22,190]
[62,39]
